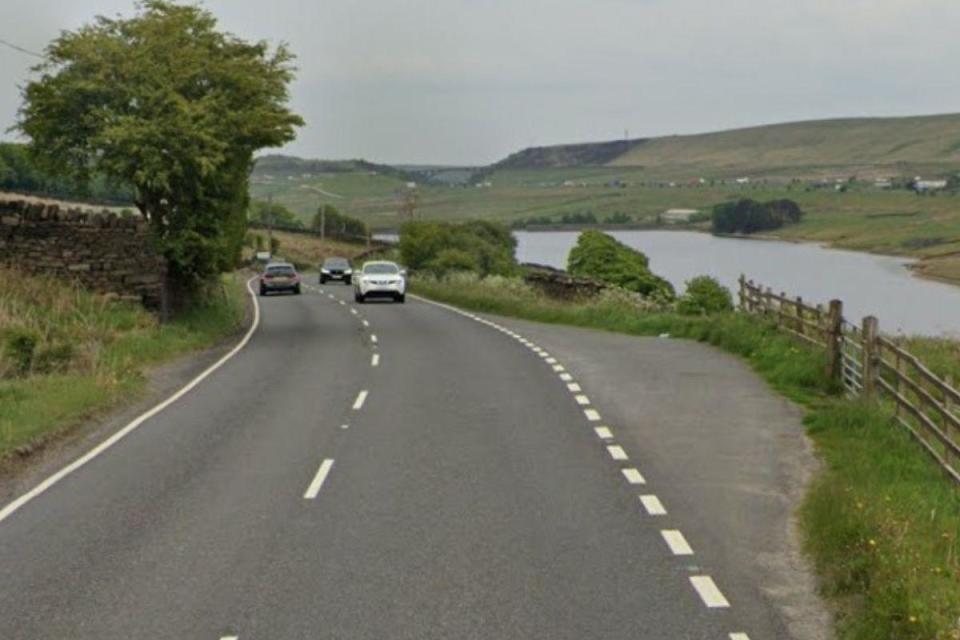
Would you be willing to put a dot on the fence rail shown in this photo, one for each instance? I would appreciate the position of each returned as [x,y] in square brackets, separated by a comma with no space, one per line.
[871,366]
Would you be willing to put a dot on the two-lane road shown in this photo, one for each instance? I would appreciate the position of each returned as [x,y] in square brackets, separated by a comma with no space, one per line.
[370,471]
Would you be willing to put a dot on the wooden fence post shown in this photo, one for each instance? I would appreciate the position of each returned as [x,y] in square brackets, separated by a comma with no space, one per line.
[834,340]
[800,326]
[743,293]
[871,357]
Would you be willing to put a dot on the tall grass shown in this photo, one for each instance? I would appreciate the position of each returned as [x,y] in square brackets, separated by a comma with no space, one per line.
[881,522]
[66,353]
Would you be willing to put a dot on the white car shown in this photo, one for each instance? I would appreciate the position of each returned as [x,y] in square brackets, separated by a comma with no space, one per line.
[380,279]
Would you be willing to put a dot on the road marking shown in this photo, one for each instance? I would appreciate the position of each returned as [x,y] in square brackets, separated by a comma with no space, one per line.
[331,296]
[708,592]
[566,377]
[604,433]
[582,400]
[321,291]
[230,638]
[574,387]
[366,324]
[344,426]
[617,453]
[353,311]
[373,338]
[551,361]
[318,480]
[341,302]
[361,398]
[677,543]
[653,505]
[633,476]
[544,355]
[592,415]
[38,490]
[739,636]
[558,368]
[375,360]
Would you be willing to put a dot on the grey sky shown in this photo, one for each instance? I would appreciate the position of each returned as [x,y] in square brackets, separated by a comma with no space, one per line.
[469,81]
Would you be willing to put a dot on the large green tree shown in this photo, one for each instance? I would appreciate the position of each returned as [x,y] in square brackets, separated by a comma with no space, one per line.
[173,107]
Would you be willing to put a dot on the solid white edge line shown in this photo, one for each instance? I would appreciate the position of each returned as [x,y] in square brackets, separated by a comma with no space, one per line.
[677,543]
[652,505]
[314,489]
[12,507]
[633,476]
[375,360]
[708,592]
[361,398]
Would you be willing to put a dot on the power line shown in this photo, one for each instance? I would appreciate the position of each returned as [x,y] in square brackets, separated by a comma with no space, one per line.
[21,49]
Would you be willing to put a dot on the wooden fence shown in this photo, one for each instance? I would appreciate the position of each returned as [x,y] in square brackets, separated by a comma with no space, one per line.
[870,365]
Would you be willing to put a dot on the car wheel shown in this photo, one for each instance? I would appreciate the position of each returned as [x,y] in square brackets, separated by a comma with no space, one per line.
[347,281]
[263,291]
[323,280]
[358,298]
[296,290]
[402,298]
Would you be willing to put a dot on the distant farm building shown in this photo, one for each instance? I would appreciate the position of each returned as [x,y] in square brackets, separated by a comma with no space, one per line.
[676,216]
[883,183]
[928,185]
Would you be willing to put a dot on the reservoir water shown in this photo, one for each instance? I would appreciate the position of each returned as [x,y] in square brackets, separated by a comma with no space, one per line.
[868,284]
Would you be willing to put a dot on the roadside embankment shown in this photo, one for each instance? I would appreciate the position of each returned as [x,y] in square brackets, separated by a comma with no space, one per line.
[881,522]
[67,354]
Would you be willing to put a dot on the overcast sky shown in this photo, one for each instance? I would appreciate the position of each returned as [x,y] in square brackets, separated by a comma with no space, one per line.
[470,81]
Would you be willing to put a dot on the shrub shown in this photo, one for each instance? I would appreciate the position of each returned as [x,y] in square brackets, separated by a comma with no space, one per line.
[598,255]
[704,295]
[482,246]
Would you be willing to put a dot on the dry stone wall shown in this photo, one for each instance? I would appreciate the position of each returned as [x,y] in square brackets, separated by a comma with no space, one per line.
[102,251]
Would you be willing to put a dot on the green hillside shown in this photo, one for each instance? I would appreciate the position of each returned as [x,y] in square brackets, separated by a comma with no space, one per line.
[852,146]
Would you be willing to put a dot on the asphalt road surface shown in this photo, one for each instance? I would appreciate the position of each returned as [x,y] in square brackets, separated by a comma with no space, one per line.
[406,471]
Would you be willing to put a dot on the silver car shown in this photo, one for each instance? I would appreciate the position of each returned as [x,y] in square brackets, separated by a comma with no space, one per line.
[380,279]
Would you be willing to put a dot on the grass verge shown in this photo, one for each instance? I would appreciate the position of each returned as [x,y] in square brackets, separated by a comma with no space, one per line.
[66,354]
[881,522]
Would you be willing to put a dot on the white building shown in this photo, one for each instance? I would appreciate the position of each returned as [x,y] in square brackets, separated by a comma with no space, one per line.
[675,216]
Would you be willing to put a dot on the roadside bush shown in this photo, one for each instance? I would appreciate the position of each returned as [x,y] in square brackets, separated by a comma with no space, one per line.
[704,295]
[598,255]
[438,247]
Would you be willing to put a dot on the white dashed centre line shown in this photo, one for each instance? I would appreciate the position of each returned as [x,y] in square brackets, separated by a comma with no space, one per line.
[230,638]
[592,415]
[551,361]
[633,476]
[314,489]
[353,311]
[708,592]
[366,323]
[677,543]
[566,377]
[574,387]
[375,360]
[653,505]
[358,403]
[373,338]
[739,636]
[558,368]
[617,453]
[604,433]
[582,400]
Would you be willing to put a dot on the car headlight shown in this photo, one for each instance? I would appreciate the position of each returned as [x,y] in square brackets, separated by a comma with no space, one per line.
[348,271]
[324,270]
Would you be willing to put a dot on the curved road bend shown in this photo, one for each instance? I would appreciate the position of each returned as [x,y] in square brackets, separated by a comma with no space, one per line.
[466,494]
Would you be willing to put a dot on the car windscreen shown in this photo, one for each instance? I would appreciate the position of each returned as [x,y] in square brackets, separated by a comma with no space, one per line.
[336,263]
[381,268]
[280,271]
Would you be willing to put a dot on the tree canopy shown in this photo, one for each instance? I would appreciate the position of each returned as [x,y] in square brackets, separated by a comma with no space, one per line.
[748,216]
[598,255]
[166,103]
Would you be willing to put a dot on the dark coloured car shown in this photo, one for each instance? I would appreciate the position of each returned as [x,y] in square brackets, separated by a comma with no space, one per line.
[336,269]
[279,277]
